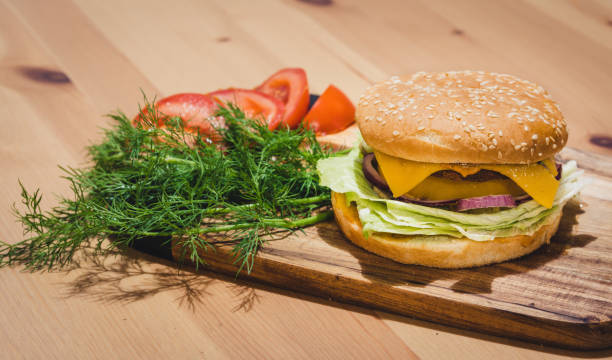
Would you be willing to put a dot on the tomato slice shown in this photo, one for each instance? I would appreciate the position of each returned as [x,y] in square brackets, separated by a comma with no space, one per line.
[331,113]
[291,87]
[196,111]
[254,103]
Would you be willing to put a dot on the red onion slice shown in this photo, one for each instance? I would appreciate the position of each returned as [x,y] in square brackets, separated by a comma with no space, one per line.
[369,171]
[485,202]
[432,203]
[522,198]
[559,170]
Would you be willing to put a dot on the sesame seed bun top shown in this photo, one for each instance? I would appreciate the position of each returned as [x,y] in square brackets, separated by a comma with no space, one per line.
[461,117]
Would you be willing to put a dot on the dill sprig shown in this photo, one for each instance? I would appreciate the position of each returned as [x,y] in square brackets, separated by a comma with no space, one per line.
[150,181]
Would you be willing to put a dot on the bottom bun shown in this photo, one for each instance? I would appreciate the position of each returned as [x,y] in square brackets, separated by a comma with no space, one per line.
[439,250]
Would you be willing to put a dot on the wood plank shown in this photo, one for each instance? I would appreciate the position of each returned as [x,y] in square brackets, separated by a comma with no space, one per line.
[226,47]
[105,77]
[560,295]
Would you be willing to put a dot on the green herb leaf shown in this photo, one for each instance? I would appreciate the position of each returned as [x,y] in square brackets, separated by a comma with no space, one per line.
[151,181]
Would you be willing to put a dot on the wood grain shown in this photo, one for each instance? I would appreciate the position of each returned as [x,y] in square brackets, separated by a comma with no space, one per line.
[134,306]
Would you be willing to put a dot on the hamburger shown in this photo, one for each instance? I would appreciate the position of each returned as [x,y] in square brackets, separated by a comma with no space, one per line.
[453,170]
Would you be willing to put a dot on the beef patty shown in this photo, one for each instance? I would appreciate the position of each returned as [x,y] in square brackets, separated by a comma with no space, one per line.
[482,175]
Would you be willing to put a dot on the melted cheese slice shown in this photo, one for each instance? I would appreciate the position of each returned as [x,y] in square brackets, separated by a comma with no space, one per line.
[536,180]
[438,188]
[550,165]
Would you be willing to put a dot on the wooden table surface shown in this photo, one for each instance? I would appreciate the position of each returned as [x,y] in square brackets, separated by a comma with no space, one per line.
[65,63]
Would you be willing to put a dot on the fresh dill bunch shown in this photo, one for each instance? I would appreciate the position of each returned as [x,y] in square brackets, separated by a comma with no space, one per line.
[150,181]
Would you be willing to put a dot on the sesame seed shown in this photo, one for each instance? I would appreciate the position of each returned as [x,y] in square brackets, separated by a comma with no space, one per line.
[554,146]
[539,154]
[495,141]
[395,133]
[500,133]
[457,137]
[400,117]
[421,128]
[526,128]
[499,155]
[547,140]
[516,147]
[534,137]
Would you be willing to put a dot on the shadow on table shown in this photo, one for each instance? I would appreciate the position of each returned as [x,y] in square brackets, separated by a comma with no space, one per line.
[130,276]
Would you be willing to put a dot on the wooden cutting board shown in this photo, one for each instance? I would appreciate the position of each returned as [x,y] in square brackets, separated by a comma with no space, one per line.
[560,295]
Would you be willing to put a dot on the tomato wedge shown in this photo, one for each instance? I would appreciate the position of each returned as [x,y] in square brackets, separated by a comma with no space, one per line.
[331,113]
[196,111]
[291,87]
[254,103]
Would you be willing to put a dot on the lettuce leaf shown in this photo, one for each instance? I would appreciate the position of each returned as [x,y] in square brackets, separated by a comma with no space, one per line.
[343,174]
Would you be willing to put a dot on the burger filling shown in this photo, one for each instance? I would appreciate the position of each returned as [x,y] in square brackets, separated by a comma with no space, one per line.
[404,197]
[468,188]
[429,181]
